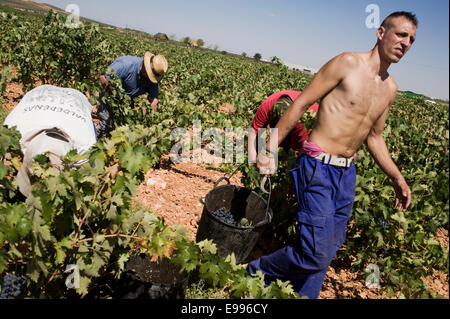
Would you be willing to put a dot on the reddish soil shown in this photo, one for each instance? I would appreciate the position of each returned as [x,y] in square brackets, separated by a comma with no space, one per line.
[174,191]
[13,92]
[226,108]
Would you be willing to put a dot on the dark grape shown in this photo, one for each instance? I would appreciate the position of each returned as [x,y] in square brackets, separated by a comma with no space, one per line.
[225,216]
[383,223]
[12,285]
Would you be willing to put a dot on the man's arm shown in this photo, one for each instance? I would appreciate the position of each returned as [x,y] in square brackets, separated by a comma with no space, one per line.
[327,78]
[260,121]
[119,71]
[153,104]
[380,153]
[153,92]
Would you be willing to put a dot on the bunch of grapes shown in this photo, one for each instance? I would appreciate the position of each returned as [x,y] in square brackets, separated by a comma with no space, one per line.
[12,285]
[226,216]
[383,223]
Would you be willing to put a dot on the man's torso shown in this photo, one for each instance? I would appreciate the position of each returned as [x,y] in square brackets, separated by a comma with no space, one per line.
[349,111]
[127,68]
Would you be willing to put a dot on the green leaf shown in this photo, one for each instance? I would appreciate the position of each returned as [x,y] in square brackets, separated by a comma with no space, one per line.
[3,260]
[207,246]
[400,218]
[60,251]
[380,241]
[242,286]
[46,204]
[84,285]
[210,272]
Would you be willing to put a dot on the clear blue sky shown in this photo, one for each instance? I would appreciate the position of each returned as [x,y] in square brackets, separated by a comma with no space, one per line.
[303,32]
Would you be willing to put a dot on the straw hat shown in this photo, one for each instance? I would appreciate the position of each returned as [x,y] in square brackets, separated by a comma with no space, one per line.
[155,66]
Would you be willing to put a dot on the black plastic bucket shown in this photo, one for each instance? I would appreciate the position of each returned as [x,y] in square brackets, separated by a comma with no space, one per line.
[243,202]
[146,279]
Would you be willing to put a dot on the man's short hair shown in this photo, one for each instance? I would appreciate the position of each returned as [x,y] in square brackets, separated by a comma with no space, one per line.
[387,22]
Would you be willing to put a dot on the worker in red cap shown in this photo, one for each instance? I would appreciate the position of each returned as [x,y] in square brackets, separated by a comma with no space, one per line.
[270,112]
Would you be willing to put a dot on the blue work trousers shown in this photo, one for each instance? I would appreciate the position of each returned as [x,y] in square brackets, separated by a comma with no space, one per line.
[325,195]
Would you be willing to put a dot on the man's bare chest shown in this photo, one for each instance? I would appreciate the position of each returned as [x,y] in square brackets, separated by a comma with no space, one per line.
[365,96]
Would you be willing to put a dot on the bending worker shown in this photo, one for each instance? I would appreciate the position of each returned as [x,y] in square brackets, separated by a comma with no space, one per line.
[270,112]
[138,76]
[51,120]
[356,92]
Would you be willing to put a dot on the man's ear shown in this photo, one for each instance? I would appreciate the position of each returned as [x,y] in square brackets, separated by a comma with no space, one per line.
[380,32]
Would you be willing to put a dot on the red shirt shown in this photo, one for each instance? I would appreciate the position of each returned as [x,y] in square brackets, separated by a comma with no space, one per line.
[298,134]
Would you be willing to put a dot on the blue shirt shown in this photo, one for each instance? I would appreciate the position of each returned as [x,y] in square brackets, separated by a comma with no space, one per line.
[127,68]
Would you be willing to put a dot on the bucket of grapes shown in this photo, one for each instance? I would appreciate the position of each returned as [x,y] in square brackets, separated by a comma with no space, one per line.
[147,279]
[234,218]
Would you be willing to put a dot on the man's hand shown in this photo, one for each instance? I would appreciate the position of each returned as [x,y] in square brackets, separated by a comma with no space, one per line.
[266,165]
[104,83]
[154,105]
[402,193]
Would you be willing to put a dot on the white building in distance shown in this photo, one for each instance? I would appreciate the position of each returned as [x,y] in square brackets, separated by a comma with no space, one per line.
[305,69]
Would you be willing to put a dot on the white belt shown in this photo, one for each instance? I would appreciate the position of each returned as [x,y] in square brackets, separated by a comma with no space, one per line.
[334,160]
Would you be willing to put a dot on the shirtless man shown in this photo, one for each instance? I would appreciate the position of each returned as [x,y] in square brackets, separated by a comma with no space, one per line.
[356,92]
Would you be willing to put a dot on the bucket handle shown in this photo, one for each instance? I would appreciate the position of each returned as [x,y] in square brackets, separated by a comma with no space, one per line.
[202,200]
[263,182]
[227,178]
[221,179]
